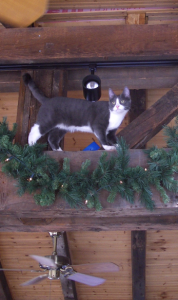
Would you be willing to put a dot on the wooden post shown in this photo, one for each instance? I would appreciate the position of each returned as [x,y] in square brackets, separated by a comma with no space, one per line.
[5,293]
[51,83]
[68,286]
[138,248]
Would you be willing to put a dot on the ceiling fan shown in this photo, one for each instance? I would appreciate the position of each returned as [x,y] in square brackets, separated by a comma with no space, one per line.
[57,267]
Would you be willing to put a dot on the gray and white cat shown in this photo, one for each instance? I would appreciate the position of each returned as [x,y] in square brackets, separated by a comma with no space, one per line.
[60,115]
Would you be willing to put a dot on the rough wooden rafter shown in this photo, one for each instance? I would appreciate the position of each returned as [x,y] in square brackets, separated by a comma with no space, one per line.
[62,247]
[5,293]
[151,121]
[138,250]
[77,44]
[22,214]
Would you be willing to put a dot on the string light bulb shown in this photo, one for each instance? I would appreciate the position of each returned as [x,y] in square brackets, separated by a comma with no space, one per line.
[146,169]
[30,178]
[86,201]
[121,182]
[8,158]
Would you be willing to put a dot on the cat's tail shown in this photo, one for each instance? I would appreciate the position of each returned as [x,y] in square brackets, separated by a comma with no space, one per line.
[33,88]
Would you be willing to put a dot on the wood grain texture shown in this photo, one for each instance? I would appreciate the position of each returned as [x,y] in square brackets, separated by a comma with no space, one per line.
[15,251]
[22,214]
[124,42]
[134,77]
[5,293]
[150,122]
[138,249]
[161,265]
[134,5]
[68,286]
[8,107]
[151,97]
[9,81]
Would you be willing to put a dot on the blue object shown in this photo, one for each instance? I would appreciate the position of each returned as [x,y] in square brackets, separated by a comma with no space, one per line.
[92,147]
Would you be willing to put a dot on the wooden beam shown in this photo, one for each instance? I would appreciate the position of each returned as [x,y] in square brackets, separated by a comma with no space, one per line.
[116,78]
[149,77]
[138,105]
[68,286]
[22,214]
[138,249]
[135,18]
[150,122]
[23,112]
[5,293]
[77,44]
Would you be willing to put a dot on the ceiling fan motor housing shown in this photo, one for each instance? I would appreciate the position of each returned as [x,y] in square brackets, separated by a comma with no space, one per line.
[58,260]
[54,274]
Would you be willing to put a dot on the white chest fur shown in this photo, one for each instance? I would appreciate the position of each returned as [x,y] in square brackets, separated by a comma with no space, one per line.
[115,119]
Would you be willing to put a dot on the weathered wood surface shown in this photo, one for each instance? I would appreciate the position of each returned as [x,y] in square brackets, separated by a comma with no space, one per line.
[9,81]
[68,286]
[138,250]
[138,104]
[115,78]
[5,293]
[122,42]
[48,81]
[22,214]
[149,77]
[150,122]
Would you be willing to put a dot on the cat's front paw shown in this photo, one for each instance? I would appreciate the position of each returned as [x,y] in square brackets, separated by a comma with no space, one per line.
[109,148]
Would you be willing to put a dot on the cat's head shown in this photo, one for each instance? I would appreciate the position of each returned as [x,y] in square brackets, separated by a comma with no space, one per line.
[120,102]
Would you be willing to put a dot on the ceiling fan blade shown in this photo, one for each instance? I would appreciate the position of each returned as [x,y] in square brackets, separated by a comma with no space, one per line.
[96,268]
[44,261]
[86,279]
[22,270]
[35,280]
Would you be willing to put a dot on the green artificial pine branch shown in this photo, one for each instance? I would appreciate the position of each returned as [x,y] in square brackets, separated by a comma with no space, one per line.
[42,176]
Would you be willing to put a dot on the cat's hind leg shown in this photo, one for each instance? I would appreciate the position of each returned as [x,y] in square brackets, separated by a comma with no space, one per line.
[34,134]
[54,138]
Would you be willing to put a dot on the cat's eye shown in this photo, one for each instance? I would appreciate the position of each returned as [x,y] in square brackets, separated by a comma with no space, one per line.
[122,101]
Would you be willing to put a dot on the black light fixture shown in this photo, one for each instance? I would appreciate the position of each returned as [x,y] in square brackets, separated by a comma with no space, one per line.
[92,86]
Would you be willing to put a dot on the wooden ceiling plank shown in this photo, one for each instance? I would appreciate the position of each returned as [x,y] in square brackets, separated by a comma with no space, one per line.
[78,44]
[138,249]
[150,122]
[5,293]
[9,81]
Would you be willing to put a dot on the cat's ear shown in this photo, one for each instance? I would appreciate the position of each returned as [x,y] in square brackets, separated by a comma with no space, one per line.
[111,93]
[126,92]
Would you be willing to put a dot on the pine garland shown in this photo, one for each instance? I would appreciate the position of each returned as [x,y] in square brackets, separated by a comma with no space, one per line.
[41,175]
